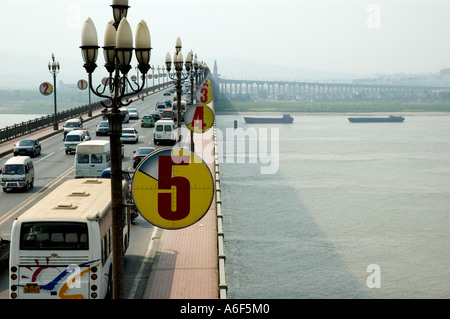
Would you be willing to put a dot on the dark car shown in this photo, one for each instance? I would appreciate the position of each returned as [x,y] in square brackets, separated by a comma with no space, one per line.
[156,115]
[28,147]
[168,103]
[140,153]
[102,128]
[4,250]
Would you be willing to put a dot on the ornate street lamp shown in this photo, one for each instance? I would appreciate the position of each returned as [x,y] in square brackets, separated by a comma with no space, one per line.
[153,77]
[53,68]
[178,76]
[196,72]
[117,51]
[159,75]
[191,73]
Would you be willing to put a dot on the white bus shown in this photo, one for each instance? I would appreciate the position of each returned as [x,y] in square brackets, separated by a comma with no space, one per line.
[62,246]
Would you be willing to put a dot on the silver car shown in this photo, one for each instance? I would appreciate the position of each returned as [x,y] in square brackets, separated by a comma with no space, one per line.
[129,135]
[133,113]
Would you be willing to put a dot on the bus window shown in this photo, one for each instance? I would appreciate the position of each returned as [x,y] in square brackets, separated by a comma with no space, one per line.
[60,236]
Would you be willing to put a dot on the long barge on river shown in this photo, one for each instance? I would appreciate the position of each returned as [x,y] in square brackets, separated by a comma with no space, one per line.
[373,119]
[286,118]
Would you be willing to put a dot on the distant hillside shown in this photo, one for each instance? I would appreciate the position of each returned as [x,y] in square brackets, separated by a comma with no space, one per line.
[26,71]
[235,68]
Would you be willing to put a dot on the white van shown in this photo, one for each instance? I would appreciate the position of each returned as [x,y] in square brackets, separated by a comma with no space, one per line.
[74,138]
[71,125]
[18,172]
[165,132]
[91,158]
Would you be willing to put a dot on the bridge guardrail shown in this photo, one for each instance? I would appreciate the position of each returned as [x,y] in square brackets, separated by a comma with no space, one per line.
[20,129]
[223,287]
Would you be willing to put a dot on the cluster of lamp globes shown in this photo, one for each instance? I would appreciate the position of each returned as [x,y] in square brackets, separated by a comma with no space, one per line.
[117,42]
[178,58]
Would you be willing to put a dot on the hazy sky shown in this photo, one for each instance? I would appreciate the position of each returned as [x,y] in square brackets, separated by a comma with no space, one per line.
[352,36]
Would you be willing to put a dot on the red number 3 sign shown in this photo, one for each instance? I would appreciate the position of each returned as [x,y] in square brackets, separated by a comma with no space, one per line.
[204,94]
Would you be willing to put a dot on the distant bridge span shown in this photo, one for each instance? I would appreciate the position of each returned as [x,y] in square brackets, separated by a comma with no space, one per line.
[285,89]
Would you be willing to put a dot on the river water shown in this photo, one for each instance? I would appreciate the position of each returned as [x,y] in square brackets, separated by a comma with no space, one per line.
[324,208]
[351,210]
[11,119]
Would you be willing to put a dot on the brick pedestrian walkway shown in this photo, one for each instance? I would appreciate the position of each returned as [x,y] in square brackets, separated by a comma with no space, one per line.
[186,261]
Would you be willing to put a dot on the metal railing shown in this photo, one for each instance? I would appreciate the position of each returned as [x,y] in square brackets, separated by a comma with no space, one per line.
[223,287]
[17,130]
[20,129]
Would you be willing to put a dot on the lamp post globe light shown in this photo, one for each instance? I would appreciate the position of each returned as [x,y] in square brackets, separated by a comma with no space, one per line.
[53,68]
[117,52]
[153,77]
[195,76]
[159,74]
[178,76]
[191,73]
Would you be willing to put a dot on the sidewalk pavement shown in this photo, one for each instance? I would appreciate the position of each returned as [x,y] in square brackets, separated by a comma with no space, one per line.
[186,261]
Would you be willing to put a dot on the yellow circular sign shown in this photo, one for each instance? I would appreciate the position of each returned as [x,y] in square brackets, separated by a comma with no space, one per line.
[205,93]
[199,118]
[172,188]
[46,88]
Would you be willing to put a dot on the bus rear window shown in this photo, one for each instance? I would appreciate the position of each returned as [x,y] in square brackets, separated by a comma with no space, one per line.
[54,235]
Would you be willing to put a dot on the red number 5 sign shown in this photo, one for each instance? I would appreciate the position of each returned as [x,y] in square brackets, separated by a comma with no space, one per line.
[172,188]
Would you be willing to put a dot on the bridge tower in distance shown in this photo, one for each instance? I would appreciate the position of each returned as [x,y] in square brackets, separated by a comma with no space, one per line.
[215,73]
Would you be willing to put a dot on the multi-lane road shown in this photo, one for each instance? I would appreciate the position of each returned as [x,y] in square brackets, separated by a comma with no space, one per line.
[53,166]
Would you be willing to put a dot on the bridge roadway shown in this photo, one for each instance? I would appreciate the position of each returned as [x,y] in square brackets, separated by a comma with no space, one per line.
[159,264]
